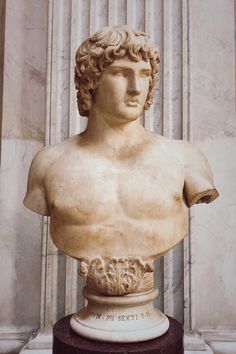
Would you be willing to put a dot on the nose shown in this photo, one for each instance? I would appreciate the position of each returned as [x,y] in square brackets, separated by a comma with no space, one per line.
[134,85]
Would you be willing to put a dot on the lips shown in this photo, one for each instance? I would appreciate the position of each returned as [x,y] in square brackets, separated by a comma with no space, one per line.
[132,103]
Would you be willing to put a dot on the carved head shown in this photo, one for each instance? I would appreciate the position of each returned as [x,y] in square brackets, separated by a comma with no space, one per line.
[101,50]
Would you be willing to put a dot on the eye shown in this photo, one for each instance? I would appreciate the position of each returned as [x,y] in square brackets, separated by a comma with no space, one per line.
[145,74]
[118,74]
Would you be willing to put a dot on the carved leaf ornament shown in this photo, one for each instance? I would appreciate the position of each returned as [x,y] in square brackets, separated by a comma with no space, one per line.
[115,276]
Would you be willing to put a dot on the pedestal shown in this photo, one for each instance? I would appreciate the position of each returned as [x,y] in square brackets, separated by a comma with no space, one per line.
[66,341]
[120,319]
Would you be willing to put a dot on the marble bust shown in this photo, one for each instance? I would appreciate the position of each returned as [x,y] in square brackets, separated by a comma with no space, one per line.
[117,191]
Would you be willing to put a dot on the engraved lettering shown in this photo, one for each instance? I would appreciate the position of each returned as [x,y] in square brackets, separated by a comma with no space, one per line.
[97,316]
[110,318]
[122,318]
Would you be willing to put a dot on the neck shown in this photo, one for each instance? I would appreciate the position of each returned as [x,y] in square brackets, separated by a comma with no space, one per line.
[108,132]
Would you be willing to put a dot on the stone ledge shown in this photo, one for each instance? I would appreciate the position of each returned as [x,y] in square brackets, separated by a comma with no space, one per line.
[41,344]
[193,344]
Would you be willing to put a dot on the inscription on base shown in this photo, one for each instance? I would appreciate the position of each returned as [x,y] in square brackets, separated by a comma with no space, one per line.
[121,318]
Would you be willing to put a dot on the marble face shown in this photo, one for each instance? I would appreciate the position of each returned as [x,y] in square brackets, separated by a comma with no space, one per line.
[131,80]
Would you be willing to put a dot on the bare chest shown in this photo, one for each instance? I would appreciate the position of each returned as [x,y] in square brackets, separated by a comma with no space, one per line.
[94,190]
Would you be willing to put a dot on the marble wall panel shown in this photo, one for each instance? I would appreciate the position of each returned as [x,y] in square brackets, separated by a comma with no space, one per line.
[24,69]
[23,129]
[213,129]
[20,241]
[212,69]
[214,244]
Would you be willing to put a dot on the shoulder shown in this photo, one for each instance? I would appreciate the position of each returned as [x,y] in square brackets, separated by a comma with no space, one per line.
[184,151]
[46,157]
[177,148]
[36,196]
[50,154]
[174,147]
[199,183]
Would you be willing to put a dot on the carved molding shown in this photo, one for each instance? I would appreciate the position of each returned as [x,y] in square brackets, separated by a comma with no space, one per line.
[117,276]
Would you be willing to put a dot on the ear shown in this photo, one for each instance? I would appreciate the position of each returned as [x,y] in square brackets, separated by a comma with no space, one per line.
[84,102]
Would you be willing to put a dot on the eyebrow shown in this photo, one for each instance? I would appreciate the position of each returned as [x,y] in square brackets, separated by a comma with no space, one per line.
[146,70]
[125,68]
[118,67]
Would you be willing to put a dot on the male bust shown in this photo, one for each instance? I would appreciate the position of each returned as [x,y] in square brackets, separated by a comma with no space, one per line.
[117,189]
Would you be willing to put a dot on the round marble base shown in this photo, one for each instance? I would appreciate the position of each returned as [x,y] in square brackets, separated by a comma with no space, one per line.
[66,341]
[120,319]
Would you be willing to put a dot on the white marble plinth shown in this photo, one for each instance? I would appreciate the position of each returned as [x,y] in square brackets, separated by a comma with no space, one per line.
[126,319]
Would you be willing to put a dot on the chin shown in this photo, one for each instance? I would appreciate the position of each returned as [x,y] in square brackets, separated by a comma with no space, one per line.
[130,118]
[130,115]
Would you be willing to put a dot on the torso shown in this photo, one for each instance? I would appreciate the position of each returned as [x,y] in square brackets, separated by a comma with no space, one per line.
[125,202]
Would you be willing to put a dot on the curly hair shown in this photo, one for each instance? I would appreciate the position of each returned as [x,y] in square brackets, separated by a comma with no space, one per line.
[100,50]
